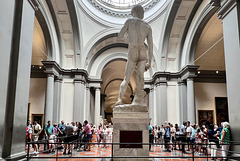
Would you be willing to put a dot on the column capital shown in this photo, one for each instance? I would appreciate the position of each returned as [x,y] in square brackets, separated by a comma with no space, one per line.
[190,79]
[189,71]
[50,75]
[226,7]
[51,67]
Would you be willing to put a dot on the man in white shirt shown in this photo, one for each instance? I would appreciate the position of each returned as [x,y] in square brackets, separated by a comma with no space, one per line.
[189,132]
[35,134]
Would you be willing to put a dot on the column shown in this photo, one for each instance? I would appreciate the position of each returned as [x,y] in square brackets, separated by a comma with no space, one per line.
[158,105]
[57,100]
[190,101]
[183,101]
[163,102]
[103,96]
[78,108]
[151,105]
[97,106]
[154,121]
[17,20]
[48,112]
[87,103]
[229,13]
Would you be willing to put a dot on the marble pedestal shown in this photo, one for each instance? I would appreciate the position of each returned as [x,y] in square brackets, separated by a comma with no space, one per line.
[126,122]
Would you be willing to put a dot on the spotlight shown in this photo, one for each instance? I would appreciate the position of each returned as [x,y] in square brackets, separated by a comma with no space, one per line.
[198,72]
[217,72]
[40,67]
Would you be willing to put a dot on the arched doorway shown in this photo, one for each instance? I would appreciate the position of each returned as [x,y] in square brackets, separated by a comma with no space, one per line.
[112,76]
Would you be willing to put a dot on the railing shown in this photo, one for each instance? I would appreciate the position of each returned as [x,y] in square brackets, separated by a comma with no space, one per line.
[190,155]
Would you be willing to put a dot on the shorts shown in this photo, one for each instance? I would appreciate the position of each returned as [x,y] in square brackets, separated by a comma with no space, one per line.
[167,139]
[88,138]
[192,140]
[182,138]
[51,139]
[68,139]
[34,138]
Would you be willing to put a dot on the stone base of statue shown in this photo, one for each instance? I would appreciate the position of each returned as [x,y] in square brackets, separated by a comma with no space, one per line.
[130,125]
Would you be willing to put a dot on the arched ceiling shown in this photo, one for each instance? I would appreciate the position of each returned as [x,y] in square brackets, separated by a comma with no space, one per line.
[39,50]
[112,76]
[210,49]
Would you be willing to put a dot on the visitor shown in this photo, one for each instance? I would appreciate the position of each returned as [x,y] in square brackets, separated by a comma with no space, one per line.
[87,131]
[151,137]
[193,135]
[35,135]
[62,133]
[199,140]
[105,134]
[189,132]
[49,130]
[213,141]
[167,138]
[99,134]
[182,135]
[69,130]
[225,139]
[28,131]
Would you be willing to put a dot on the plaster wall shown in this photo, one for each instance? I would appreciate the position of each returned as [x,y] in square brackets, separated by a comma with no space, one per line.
[37,96]
[173,103]
[67,96]
[205,94]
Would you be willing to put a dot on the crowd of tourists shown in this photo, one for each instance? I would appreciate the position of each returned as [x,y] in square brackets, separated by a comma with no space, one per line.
[78,136]
[186,136]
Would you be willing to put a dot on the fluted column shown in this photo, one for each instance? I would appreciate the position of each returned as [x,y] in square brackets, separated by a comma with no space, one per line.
[48,113]
[191,101]
[97,106]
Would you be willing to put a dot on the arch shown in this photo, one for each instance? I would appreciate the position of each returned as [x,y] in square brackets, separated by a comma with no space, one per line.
[51,37]
[117,79]
[194,34]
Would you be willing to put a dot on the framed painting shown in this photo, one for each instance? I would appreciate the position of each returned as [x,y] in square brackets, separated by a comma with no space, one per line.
[221,109]
[205,117]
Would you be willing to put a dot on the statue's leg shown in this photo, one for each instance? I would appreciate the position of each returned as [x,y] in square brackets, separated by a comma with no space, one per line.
[128,72]
[139,93]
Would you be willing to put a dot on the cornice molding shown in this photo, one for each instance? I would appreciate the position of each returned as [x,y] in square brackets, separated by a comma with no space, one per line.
[117,13]
[226,7]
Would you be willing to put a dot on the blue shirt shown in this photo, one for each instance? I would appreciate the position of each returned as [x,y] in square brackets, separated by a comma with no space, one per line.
[49,129]
[167,132]
[193,133]
[62,127]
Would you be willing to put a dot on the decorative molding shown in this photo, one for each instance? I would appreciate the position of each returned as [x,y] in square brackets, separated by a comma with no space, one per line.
[118,13]
[35,4]
[226,7]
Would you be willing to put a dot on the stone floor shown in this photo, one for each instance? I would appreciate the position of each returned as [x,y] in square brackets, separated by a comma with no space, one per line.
[96,151]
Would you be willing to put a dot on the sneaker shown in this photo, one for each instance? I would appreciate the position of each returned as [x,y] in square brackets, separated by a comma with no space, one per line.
[69,152]
[64,152]
[37,152]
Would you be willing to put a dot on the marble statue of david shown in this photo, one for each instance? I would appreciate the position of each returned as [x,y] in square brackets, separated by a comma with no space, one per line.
[139,58]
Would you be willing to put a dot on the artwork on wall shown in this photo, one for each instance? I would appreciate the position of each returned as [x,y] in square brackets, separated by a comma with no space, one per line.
[221,109]
[205,117]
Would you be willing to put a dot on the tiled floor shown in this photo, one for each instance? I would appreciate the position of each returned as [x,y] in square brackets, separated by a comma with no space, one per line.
[96,151]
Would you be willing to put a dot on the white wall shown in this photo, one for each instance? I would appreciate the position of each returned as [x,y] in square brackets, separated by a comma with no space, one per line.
[173,103]
[205,94]
[37,95]
[67,96]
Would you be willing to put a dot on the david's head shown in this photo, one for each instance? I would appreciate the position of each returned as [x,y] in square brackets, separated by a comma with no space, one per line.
[137,11]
